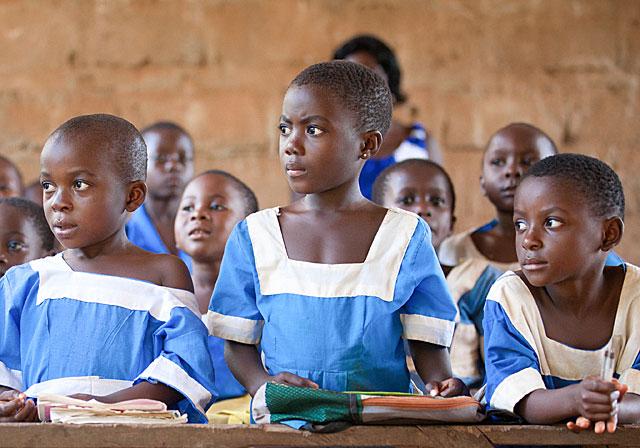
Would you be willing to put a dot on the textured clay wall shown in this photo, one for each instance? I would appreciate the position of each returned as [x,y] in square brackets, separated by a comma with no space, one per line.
[220,68]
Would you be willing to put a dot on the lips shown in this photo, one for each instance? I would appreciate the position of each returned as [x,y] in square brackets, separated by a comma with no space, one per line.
[295,169]
[533,264]
[199,233]
[63,229]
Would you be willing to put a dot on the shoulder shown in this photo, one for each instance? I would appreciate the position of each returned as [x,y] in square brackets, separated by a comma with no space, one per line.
[174,272]
[512,294]
[630,294]
[22,275]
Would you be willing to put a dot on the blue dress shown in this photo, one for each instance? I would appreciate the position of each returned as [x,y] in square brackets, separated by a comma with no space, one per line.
[69,332]
[340,325]
[520,358]
[141,232]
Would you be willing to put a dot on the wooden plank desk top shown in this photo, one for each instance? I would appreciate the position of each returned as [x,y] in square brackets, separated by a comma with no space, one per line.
[451,436]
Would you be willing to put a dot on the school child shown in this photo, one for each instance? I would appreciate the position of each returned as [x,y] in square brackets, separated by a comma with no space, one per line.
[10,179]
[104,319]
[330,284]
[507,157]
[424,188]
[211,205]
[169,168]
[548,325]
[24,233]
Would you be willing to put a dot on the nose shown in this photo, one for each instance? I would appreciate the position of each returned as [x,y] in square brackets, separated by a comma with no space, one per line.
[531,239]
[4,258]
[514,170]
[60,200]
[199,214]
[422,209]
[292,144]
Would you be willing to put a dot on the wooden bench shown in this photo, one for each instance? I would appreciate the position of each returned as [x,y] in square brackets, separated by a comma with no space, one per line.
[452,436]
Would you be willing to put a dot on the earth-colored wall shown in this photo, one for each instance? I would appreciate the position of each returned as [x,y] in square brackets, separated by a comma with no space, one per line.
[220,68]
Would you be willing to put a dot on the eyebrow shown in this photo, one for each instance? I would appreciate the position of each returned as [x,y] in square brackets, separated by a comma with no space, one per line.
[305,119]
[73,173]
[544,211]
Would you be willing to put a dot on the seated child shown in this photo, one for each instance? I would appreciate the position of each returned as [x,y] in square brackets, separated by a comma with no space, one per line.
[507,157]
[329,285]
[104,319]
[212,204]
[10,179]
[169,168]
[425,188]
[548,325]
[24,233]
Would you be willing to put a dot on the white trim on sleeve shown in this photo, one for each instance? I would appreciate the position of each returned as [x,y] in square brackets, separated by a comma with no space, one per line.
[10,378]
[427,329]
[239,329]
[631,377]
[92,385]
[515,387]
[171,374]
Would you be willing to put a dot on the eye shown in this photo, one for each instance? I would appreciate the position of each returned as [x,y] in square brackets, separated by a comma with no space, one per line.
[80,185]
[284,129]
[528,162]
[16,246]
[47,187]
[217,207]
[407,200]
[497,162]
[187,208]
[314,130]
[552,223]
[437,201]
[520,225]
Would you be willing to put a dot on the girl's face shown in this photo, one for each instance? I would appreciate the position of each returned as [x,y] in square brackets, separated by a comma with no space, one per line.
[423,190]
[320,145]
[170,164]
[85,199]
[210,207]
[558,237]
[19,239]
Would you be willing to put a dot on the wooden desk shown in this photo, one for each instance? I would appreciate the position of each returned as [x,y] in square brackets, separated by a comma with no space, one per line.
[194,436]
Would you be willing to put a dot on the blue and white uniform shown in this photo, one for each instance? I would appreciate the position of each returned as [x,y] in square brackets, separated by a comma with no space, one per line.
[340,325]
[520,358]
[141,232]
[469,283]
[70,332]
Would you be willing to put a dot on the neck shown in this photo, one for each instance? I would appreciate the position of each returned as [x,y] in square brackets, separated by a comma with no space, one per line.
[346,196]
[580,295]
[162,209]
[505,223]
[205,275]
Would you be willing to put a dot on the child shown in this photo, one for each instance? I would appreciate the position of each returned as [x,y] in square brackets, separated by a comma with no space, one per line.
[24,233]
[425,188]
[548,326]
[212,204]
[104,319]
[10,179]
[330,284]
[509,154]
[170,166]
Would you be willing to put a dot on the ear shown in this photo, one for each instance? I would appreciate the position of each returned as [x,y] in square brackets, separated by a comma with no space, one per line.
[484,192]
[136,195]
[613,228]
[453,222]
[371,143]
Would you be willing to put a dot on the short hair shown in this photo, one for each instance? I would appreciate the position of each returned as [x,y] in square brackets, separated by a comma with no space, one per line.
[167,126]
[526,126]
[34,214]
[358,88]
[14,167]
[120,138]
[250,200]
[383,54]
[382,181]
[596,181]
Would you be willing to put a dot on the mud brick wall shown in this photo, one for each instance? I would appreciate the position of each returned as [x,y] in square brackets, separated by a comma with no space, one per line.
[220,67]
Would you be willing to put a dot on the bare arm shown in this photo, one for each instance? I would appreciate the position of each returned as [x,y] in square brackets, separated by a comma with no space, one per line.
[629,410]
[144,389]
[433,365]
[245,364]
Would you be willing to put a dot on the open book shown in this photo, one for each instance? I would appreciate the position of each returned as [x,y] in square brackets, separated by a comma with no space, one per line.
[63,409]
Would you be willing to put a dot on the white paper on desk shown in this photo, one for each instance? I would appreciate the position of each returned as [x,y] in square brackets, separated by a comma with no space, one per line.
[63,409]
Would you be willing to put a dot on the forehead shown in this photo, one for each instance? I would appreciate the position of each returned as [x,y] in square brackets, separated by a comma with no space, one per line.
[78,152]
[419,177]
[13,219]
[210,185]
[168,141]
[519,141]
[314,100]
[548,192]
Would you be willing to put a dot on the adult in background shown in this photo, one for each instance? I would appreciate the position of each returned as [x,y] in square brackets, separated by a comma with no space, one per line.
[403,140]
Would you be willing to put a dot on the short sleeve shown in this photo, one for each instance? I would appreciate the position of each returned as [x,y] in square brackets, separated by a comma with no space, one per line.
[429,314]
[233,313]
[511,364]
[631,376]
[184,363]
[15,286]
